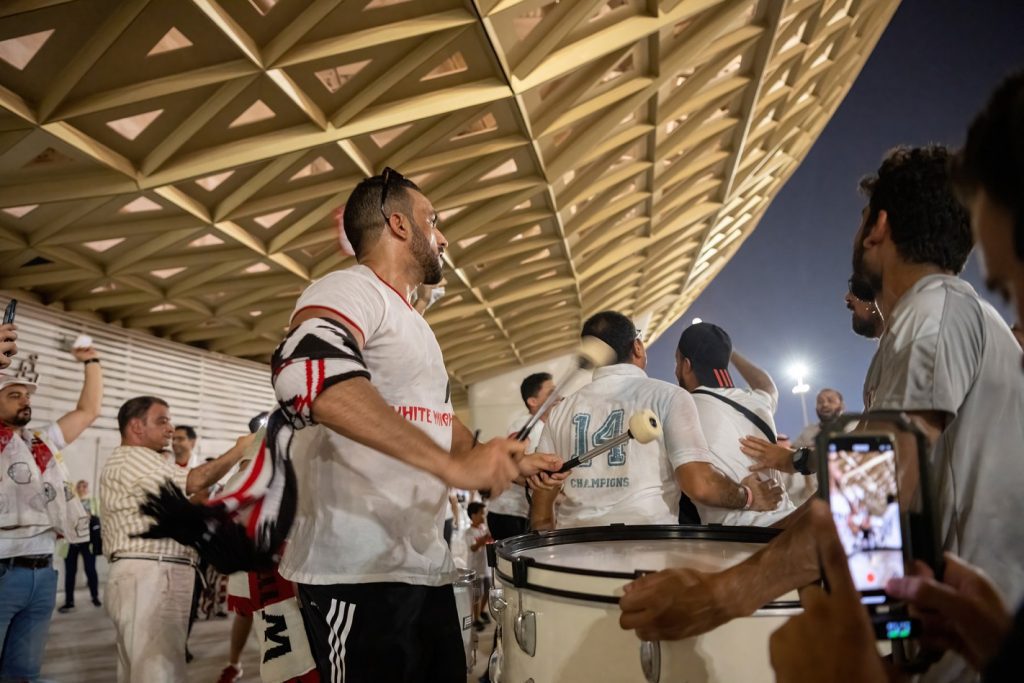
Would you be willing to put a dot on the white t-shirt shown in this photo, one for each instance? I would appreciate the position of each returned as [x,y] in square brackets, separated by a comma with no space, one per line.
[946,350]
[364,516]
[724,426]
[44,540]
[635,483]
[477,560]
[512,500]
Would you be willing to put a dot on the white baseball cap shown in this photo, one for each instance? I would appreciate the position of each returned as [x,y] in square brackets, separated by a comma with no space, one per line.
[10,380]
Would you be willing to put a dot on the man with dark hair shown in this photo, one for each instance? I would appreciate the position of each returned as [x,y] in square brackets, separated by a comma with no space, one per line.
[828,405]
[37,505]
[535,389]
[361,377]
[508,514]
[617,331]
[965,608]
[729,413]
[634,483]
[150,585]
[182,444]
[943,360]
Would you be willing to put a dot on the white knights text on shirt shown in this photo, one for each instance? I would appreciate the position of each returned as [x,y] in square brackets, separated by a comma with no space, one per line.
[425,415]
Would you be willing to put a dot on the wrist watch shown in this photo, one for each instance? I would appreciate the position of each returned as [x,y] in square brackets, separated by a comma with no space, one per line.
[802,459]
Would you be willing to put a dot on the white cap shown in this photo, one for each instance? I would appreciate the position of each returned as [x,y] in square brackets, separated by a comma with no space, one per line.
[10,380]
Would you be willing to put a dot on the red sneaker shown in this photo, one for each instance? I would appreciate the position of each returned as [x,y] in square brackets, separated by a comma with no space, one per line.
[230,674]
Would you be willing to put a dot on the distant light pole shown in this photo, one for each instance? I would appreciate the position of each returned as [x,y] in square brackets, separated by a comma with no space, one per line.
[798,371]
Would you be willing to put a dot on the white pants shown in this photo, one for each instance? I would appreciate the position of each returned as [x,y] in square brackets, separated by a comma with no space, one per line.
[149,602]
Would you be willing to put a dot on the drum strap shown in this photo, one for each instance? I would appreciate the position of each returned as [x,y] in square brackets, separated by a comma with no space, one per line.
[745,412]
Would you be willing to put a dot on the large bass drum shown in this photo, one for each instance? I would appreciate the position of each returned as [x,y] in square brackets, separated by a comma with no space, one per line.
[559,614]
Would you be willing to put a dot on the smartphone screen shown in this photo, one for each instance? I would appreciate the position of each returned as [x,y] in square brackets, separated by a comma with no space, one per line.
[12,305]
[863,495]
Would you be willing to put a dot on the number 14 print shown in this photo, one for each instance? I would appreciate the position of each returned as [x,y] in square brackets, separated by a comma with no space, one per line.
[609,429]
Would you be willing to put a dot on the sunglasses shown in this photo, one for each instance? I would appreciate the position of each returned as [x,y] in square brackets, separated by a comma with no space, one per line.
[386,176]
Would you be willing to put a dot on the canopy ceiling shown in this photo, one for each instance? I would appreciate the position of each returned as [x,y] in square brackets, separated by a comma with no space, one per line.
[176,165]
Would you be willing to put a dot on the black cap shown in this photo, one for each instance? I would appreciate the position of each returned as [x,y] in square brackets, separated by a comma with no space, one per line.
[709,349]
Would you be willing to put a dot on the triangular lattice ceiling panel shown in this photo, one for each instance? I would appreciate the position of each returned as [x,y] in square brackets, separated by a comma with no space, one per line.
[177,165]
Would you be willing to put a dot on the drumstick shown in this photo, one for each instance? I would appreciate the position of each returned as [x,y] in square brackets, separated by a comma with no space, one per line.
[592,353]
[643,426]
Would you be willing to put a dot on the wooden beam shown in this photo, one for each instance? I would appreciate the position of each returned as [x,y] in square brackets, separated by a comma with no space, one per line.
[385,34]
[155,88]
[229,27]
[117,21]
[269,145]
[395,73]
[193,123]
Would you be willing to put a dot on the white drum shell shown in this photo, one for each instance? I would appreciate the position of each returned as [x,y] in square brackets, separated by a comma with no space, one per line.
[464,597]
[580,641]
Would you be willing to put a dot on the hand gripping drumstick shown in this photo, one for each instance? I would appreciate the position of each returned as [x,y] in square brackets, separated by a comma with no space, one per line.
[643,426]
[592,353]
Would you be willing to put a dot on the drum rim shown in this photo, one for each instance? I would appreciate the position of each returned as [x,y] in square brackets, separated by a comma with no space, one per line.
[623,532]
[615,532]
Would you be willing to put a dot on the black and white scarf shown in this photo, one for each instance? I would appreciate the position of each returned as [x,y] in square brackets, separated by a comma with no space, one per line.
[243,528]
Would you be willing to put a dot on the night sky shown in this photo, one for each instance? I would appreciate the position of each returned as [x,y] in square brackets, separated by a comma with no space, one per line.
[781,296]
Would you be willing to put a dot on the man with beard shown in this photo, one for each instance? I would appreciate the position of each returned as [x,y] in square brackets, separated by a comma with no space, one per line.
[865,318]
[942,359]
[964,612]
[374,574]
[34,508]
[829,405]
[800,485]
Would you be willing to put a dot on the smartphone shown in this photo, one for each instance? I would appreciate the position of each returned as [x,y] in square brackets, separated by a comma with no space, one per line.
[12,306]
[861,485]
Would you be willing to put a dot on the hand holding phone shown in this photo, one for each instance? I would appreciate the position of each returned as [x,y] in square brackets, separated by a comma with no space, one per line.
[8,334]
[832,639]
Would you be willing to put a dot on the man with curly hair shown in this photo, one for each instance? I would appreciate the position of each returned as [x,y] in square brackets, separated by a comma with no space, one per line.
[943,360]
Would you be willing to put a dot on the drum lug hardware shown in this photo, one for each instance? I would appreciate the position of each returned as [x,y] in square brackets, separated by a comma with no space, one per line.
[520,567]
[526,631]
[496,603]
[650,660]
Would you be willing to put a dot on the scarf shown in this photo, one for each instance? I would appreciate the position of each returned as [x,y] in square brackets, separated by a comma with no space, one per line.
[316,355]
[35,493]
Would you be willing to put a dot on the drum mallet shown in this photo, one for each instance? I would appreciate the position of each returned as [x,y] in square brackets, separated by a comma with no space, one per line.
[591,354]
[643,426]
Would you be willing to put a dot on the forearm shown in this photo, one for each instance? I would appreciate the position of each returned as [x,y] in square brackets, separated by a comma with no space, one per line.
[542,510]
[356,410]
[462,438]
[755,377]
[705,484]
[90,400]
[789,562]
[208,474]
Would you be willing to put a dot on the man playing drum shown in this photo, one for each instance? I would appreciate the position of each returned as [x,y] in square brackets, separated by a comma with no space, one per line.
[634,483]
[366,550]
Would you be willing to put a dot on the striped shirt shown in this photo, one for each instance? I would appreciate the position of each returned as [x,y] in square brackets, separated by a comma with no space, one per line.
[131,472]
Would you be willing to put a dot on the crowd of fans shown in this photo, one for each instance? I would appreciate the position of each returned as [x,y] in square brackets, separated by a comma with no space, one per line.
[945,359]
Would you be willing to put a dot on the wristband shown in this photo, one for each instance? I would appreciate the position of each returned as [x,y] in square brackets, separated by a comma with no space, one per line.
[750,496]
[802,461]
[91,360]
